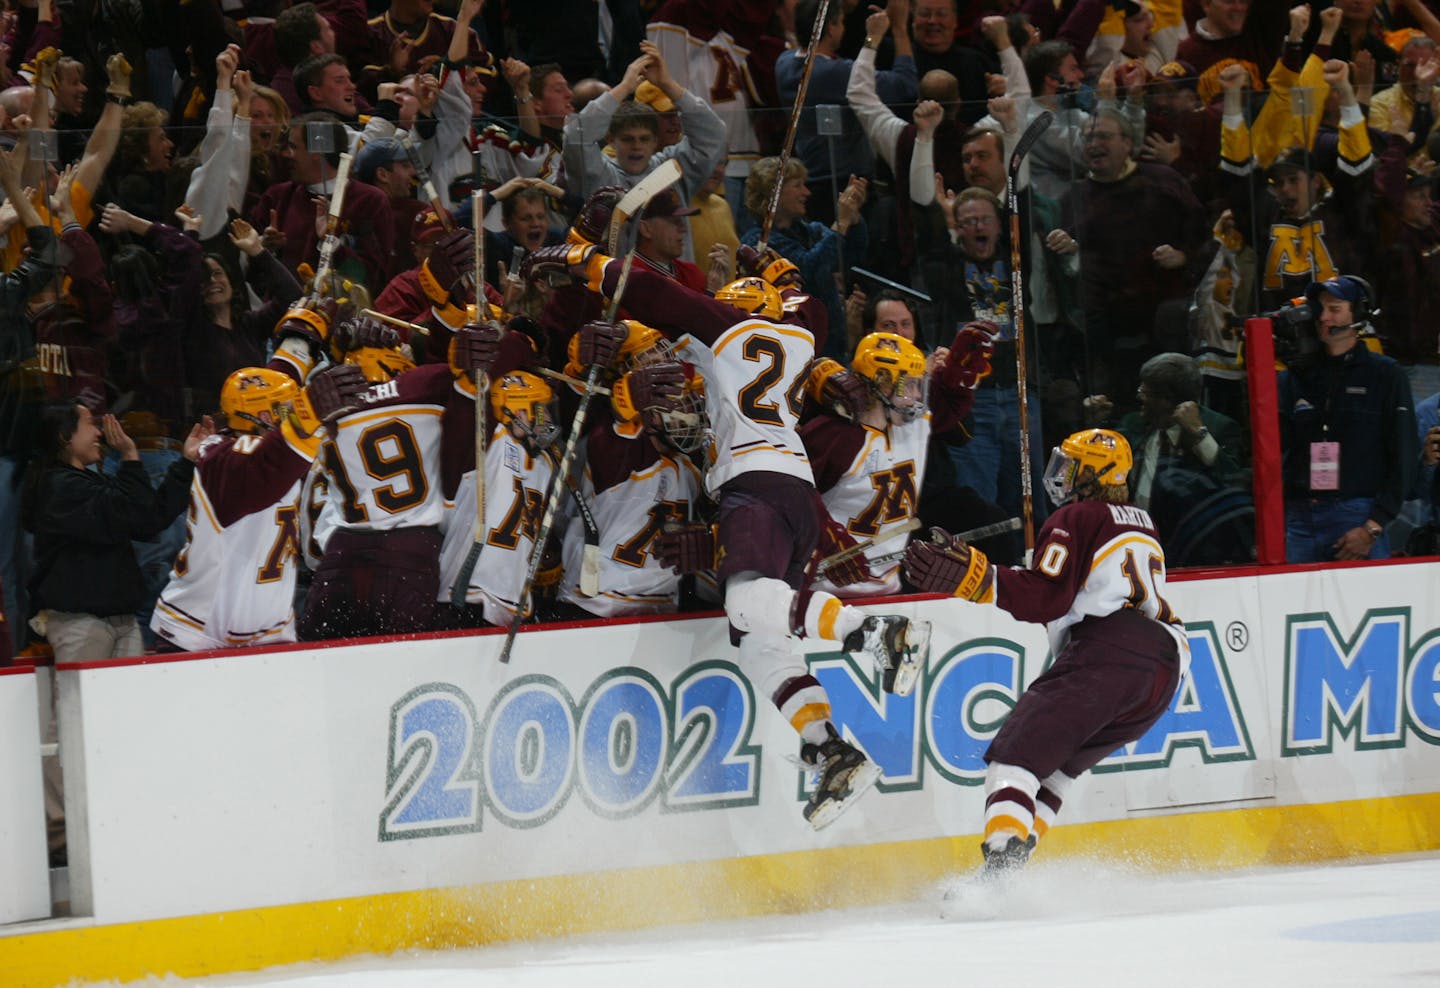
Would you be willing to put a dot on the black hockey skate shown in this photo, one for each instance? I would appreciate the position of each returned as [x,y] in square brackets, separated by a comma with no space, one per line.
[1004,864]
[844,774]
[981,895]
[898,646]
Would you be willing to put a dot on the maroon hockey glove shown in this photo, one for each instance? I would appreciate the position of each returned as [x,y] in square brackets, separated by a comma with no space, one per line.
[359,332]
[600,343]
[477,347]
[554,260]
[337,391]
[934,569]
[835,537]
[308,319]
[846,391]
[592,224]
[659,385]
[779,271]
[444,273]
[968,362]
[948,565]
[687,548]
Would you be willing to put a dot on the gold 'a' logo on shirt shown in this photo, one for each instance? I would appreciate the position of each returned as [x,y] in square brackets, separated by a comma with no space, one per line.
[1298,252]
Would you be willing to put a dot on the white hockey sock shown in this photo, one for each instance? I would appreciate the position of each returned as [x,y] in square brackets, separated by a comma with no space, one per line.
[1048,800]
[826,617]
[1009,803]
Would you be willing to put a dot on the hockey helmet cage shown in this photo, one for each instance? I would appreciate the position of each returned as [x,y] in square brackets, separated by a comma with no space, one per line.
[522,392]
[1105,453]
[642,346]
[684,427]
[890,363]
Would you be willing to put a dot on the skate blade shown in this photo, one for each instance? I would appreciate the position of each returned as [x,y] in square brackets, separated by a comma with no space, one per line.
[917,650]
[859,782]
[917,643]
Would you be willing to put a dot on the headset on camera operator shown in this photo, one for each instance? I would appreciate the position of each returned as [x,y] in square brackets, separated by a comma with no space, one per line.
[1294,330]
[1347,427]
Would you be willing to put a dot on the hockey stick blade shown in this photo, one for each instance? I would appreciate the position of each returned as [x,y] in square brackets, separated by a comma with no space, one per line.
[666,175]
[1032,133]
[994,528]
[884,535]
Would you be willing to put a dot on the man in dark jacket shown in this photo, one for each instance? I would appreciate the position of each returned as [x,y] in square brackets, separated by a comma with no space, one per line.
[1347,427]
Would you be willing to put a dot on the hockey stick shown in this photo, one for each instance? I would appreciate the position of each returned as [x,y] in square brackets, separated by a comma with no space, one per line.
[633,201]
[461,587]
[985,531]
[574,382]
[1032,133]
[631,204]
[850,552]
[415,328]
[821,14]
[427,184]
[969,535]
[331,241]
[590,555]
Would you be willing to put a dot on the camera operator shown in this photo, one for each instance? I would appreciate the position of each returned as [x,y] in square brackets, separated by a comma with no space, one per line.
[1347,429]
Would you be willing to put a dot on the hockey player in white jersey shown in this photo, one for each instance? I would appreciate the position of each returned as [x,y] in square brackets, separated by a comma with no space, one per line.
[639,478]
[234,582]
[1097,584]
[519,466]
[869,471]
[754,349]
[386,464]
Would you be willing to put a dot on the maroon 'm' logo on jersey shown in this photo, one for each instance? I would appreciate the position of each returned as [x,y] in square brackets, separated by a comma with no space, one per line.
[896,499]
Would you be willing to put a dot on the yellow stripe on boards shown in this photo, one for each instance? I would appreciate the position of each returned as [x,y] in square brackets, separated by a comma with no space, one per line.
[694,892]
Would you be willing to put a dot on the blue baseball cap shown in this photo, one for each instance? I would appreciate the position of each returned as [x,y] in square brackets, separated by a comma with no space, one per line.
[379,153]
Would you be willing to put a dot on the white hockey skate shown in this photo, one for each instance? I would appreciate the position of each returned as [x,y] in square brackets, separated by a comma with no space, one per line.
[844,774]
[898,646]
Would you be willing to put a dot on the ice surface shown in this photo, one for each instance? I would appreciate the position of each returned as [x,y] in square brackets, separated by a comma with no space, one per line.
[1371,923]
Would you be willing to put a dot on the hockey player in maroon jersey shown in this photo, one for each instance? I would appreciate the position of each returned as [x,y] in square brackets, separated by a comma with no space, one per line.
[868,470]
[754,348]
[234,582]
[1097,585]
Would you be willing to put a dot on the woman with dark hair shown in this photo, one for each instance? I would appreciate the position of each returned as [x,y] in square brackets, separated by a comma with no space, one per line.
[226,333]
[87,583]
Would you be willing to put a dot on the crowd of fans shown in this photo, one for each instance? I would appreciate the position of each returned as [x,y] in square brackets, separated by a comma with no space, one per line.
[213,209]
